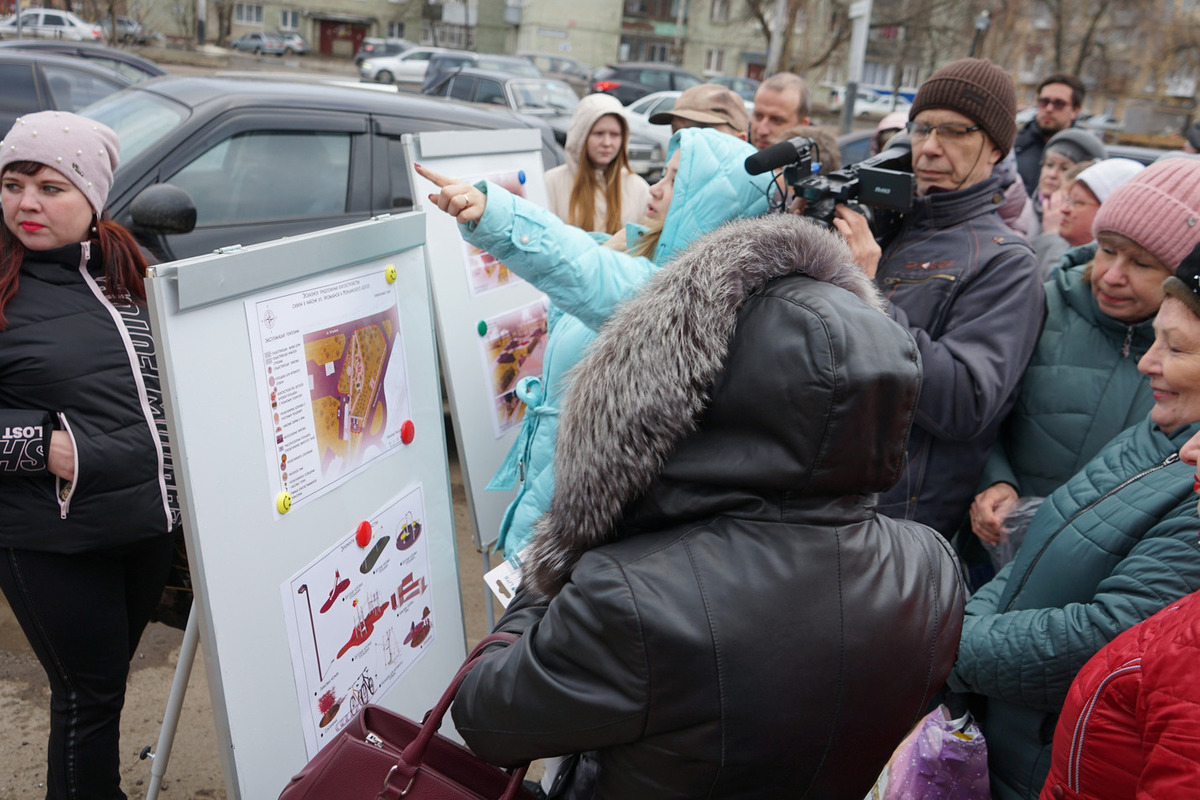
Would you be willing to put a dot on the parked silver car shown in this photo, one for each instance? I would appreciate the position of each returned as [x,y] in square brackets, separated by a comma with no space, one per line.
[259,43]
[407,67]
[50,23]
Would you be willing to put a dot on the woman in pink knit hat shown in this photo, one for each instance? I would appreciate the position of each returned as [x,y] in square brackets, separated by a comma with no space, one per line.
[87,501]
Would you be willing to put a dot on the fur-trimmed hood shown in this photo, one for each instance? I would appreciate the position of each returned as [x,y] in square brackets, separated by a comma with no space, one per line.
[812,398]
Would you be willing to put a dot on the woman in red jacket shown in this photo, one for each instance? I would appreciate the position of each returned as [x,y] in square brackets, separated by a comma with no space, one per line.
[1130,727]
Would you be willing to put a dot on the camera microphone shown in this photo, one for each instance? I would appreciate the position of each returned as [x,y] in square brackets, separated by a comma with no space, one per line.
[778,155]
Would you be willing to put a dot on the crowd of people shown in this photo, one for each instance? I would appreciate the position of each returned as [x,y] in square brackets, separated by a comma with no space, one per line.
[761,478]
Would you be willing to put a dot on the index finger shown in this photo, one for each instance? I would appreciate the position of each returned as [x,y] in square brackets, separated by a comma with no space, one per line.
[441,180]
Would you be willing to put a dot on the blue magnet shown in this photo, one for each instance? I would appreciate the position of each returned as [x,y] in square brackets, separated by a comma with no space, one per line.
[521,175]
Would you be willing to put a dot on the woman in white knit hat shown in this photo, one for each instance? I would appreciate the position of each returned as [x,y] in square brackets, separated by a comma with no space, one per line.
[87,501]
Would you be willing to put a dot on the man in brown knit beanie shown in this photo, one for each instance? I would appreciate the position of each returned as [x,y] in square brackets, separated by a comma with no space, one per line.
[966,286]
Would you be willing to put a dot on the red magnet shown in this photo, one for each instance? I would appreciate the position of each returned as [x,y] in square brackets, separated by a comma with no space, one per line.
[407,431]
[363,534]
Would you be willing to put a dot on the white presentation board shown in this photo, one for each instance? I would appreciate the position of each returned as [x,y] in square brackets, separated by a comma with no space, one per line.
[301,385]
[491,325]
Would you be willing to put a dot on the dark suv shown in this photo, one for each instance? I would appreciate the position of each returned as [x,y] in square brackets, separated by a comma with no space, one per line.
[259,158]
[629,81]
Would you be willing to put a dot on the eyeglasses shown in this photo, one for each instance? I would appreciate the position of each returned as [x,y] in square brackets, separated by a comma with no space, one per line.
[947,131]
[1057,103]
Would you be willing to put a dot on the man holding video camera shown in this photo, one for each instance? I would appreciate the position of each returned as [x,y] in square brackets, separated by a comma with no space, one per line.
[965,285]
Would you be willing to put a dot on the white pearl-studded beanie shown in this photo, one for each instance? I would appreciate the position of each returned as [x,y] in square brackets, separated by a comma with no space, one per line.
[85,151]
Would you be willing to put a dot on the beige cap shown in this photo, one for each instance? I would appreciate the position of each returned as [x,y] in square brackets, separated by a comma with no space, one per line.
[709,104]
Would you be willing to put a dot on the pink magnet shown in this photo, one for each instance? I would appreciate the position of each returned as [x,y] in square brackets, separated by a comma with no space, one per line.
[363,534]
[407,431]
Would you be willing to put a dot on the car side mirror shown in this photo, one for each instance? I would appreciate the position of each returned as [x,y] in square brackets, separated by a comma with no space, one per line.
[163,209]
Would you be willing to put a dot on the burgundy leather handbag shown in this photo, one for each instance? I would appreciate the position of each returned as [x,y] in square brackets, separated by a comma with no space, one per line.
[381,755]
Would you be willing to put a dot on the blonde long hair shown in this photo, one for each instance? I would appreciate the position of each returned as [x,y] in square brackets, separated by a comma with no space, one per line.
[581,209]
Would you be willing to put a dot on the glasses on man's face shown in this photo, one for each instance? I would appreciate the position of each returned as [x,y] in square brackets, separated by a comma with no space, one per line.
[1057,103]
[946,132]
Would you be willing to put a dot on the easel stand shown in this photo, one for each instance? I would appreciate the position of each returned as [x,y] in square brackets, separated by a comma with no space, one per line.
[166,737]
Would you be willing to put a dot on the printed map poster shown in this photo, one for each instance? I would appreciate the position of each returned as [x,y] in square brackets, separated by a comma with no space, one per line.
[512,348]
[484,272]
[331,379]
[359,617]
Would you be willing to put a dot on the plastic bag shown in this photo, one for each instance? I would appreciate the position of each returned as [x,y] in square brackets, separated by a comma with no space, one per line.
[940,759]
[1015,525]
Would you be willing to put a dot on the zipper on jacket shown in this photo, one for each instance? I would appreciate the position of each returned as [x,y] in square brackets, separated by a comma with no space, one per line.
[66,489]
[1128,343]
[1075,755]
[893,281]
[1166,462]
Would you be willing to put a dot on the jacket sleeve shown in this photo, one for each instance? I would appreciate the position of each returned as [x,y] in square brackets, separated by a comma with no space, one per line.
[998,469]
[576,680]
[975,365]
[1030,656]
[581,277]
[24,441]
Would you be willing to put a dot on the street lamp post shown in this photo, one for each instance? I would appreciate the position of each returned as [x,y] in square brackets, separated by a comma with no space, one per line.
[982,20]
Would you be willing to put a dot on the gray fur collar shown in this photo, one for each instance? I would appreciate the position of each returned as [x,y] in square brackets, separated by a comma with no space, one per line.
[645,380]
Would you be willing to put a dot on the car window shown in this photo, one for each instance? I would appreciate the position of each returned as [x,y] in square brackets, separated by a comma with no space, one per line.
[73,90]
[139,119]
[685,81]
[268,175]
[54,19]
[656,78]
[462,87]
[490,92]
[416,55]
[641,106]
[20,93]
[663,104]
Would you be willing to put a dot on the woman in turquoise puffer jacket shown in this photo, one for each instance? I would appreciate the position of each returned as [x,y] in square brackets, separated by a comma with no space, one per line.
[704,185]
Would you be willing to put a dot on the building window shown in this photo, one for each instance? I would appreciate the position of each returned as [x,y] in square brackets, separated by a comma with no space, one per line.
[395,30]
[714,60]
[720,11]
[657,51]
[289,20]
[247,14]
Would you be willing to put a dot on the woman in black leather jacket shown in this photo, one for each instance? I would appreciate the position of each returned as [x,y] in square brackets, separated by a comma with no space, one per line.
[86,495]
[713,605]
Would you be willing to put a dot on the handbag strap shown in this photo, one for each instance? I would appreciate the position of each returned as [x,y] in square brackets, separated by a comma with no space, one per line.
[413,755]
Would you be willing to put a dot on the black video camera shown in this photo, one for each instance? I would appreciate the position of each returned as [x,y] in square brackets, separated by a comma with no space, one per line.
[880,188]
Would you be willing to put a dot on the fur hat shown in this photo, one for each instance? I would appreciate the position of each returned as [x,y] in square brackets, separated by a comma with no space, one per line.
[1077,145]
[1105,177]
[708,104]
[977,89]
[1159,208]
[83,150]
[1185,283]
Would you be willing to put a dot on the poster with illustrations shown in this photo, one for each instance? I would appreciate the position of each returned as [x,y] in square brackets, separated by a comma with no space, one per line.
[359,616]
[512,347]
[331,379]
[484,272]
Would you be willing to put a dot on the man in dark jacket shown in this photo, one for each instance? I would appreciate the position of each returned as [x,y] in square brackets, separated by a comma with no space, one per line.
[965,286]
[712,603]
[1059,100]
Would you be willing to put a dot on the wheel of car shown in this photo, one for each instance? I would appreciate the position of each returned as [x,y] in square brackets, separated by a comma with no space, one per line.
[383,76]
[258,51]
[289,51]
